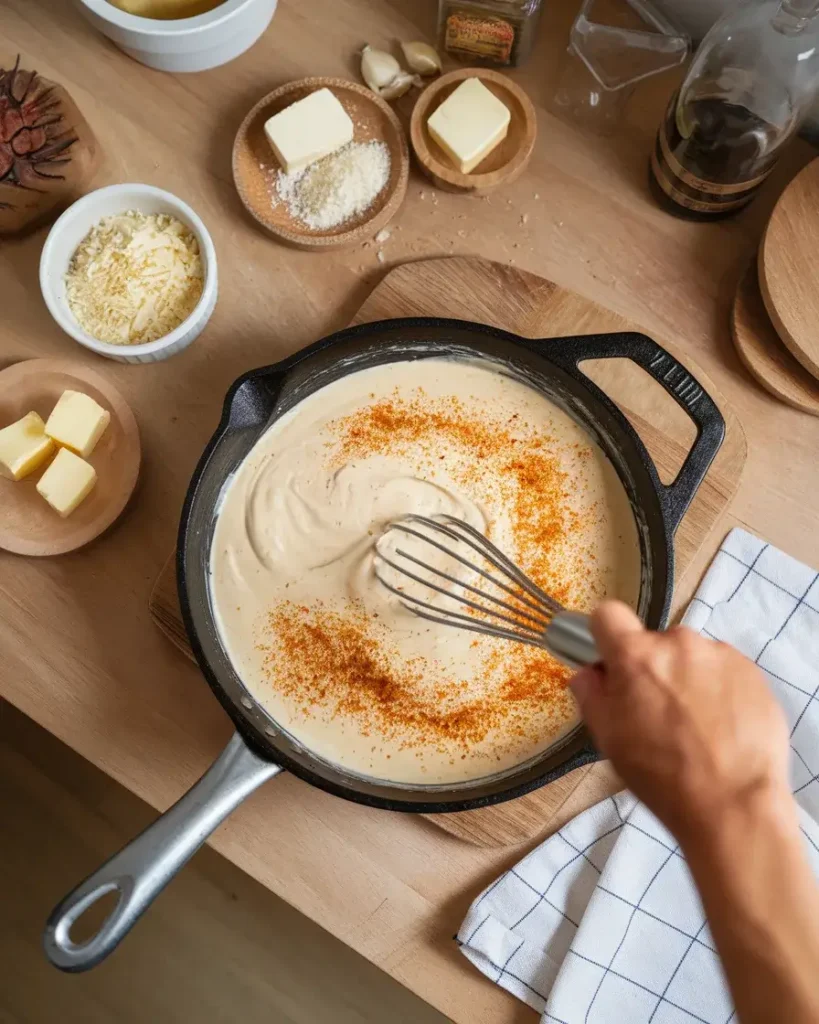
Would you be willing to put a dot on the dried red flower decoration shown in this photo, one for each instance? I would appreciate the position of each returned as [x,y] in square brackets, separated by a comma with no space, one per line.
[34,137]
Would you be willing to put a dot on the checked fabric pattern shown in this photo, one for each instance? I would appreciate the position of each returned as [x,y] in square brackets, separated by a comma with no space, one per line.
[602,924]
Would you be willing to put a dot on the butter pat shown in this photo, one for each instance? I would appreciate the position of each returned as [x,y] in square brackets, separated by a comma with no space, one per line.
[67,482]
[308,130]
[469,124]
[23,447]
[77,422]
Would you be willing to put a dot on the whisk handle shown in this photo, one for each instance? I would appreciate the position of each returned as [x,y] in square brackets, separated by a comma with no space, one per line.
[569,638]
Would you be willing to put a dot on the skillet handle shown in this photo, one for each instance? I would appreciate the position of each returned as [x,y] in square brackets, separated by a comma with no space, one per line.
[676,381]
[140,871]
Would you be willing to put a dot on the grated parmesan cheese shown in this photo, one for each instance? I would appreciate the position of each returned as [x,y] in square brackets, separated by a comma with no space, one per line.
[134,278]
[337,188]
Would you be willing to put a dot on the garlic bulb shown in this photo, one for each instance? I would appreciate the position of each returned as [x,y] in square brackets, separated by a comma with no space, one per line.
[422,58]
[399,85]
[379,69]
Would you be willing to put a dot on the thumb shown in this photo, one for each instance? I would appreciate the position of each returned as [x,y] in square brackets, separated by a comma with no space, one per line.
[588,689]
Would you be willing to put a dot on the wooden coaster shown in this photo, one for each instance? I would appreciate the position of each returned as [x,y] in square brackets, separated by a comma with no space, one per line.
[28,525]
[763,354]
[255,167]
[500,167]
[788,267]
[515,300]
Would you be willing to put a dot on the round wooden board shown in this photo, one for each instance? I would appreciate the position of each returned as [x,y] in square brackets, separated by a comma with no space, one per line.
[788,276]
[504,164]
[28,525]
[255,165]
[763,354]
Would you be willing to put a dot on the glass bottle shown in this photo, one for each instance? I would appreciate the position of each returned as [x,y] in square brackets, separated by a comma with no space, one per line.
[498,32]
[749,86]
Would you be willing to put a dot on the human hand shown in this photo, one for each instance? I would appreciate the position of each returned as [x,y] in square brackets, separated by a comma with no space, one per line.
[689,724]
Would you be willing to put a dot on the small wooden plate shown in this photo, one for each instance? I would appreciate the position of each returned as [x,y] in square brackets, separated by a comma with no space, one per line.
[763,354]
[28,525]
[787,267]
[255,165]
[500,167]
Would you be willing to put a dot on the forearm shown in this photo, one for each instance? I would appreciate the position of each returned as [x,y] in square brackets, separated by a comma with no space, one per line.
[762,904]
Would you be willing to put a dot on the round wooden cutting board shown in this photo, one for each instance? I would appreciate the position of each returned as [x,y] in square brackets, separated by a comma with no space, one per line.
[789,269]
[763,354]
[28,525]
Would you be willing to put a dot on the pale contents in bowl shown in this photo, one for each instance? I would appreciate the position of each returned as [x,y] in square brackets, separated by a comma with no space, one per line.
[134,278]
[335,658]
[166,10]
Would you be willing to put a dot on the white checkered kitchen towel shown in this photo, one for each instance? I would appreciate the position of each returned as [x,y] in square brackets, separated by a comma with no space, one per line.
[601,924]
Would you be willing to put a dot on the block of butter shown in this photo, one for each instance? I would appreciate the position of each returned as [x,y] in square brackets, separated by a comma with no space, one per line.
[308,130]
[469,124]
[24,446]
[67,481]
[77,422]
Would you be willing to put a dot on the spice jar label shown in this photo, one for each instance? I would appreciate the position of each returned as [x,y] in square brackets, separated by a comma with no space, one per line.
[486,37]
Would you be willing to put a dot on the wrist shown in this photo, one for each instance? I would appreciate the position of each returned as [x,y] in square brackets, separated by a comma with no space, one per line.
[766,811]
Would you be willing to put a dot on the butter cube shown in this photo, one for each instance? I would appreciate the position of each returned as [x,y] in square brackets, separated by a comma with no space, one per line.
[67,481]
[308,130]
[23,447]
[469,124]
[77,422]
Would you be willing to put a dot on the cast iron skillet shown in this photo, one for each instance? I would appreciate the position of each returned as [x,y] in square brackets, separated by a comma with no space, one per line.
[260,748]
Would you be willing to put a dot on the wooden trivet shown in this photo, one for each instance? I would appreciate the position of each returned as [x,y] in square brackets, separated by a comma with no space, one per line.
[495,294]
[763,354]
[788,268]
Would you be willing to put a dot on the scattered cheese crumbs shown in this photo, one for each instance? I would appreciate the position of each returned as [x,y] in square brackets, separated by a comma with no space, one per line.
[525,218]
[337,188]
[380,256]
[134,278]
[382,236]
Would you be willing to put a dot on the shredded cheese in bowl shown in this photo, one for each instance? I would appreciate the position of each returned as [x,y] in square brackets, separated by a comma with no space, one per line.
[134,278]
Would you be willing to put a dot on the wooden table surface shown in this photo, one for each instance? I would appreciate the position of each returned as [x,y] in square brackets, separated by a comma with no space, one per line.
[78,651]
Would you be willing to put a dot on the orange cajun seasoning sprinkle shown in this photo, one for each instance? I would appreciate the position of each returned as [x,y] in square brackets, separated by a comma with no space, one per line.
[524,462]
[343,663]
[333,662]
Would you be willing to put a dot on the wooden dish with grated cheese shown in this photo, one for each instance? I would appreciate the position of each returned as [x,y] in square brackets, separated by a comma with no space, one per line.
[285,207]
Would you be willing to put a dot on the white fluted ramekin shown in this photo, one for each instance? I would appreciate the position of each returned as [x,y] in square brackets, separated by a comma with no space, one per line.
[70,229]
[183,44]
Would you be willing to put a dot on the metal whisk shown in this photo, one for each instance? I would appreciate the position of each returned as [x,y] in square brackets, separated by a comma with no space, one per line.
[530,617]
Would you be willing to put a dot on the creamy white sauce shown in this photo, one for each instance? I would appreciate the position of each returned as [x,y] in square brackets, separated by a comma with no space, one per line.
[335,658]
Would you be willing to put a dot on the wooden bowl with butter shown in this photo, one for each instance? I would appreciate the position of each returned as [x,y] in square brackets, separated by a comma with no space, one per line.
[504,163]
[29,524]
[256,167]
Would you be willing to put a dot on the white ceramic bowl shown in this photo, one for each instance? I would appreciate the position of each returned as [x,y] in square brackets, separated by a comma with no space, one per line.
[74,225]
[186,44]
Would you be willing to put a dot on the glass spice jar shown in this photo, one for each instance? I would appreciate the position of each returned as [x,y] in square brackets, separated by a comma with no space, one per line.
[498,32]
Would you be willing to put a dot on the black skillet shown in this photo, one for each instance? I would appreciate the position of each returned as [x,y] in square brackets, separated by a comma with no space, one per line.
[260,749]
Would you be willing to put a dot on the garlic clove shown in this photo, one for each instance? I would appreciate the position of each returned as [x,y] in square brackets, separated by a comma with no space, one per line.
[378,68]
[401,84]
[422,57]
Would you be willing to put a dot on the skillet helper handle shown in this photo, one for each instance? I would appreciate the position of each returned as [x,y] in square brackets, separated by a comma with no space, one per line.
[686,391]
[140,871]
